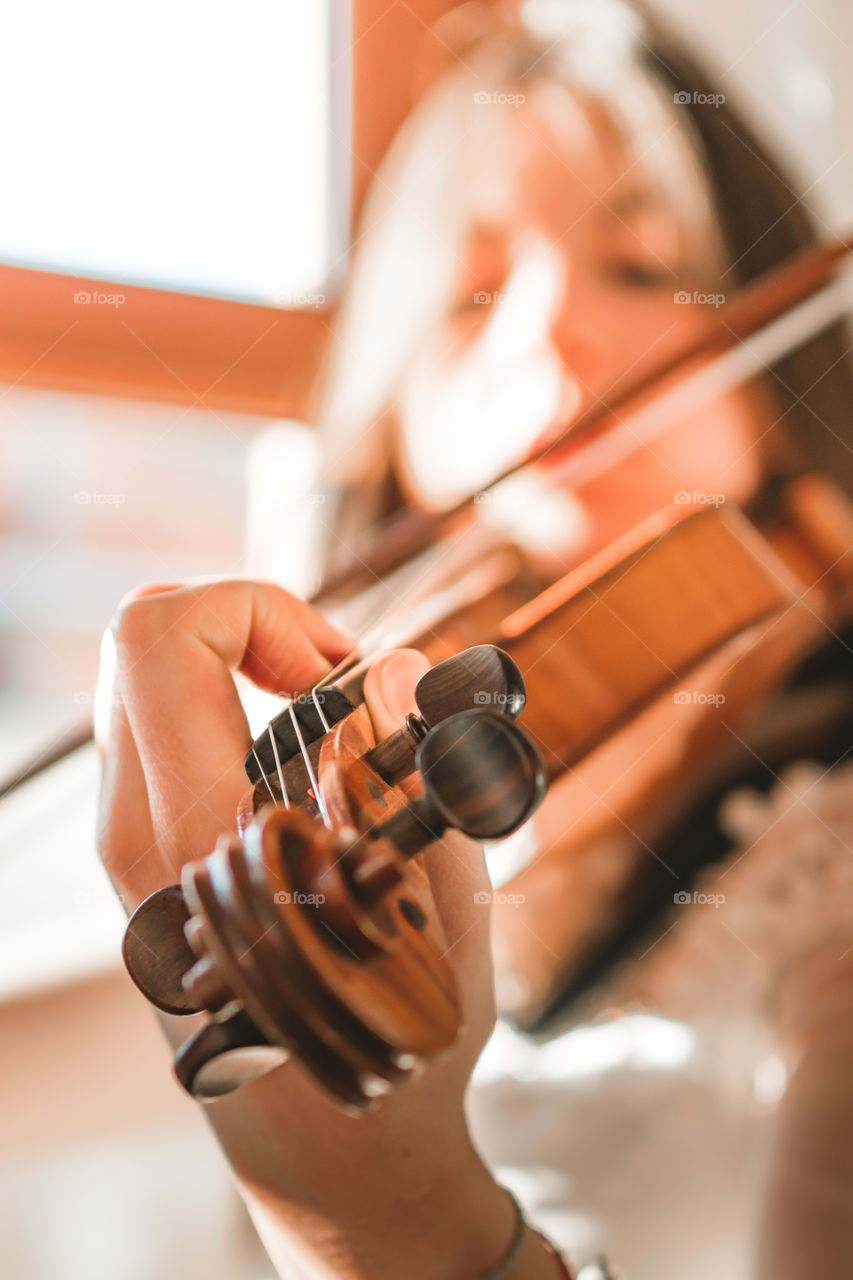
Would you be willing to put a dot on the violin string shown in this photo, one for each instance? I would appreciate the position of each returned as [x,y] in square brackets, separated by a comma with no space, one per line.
[264,776]
[388,614]
[432,575]
[318,795]
[285,797]
[318,703]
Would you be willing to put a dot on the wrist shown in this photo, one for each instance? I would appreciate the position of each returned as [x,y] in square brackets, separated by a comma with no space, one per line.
[529,1256]
[456,1227]
[438,1219]
[538,1260]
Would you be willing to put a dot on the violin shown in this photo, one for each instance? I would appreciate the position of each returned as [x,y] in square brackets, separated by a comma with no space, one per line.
[312,934]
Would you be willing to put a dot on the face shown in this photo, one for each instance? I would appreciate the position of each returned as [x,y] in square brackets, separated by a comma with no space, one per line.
[565,289]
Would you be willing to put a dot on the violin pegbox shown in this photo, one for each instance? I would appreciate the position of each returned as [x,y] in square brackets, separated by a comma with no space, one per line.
[314,935]
[480,678]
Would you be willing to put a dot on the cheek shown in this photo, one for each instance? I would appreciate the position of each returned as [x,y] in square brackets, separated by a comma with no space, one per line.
[716,452]
[644,330]
[719,450]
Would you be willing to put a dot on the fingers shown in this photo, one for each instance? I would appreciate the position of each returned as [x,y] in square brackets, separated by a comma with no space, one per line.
[125,836]
[176,651]
[281,643]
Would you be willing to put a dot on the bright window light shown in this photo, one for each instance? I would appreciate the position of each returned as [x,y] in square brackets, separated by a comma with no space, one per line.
[196,145]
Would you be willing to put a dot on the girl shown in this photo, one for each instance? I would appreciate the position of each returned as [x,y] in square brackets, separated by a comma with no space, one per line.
[553,218]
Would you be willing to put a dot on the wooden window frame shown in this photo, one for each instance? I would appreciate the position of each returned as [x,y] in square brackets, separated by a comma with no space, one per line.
[189,349]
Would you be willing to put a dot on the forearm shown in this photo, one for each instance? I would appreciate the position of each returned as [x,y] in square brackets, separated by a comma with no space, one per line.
[451,1226]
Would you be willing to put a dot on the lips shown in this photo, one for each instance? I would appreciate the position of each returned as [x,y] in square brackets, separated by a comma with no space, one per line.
[572,403]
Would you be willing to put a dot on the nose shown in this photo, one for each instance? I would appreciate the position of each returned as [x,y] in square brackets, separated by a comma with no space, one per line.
[577,332]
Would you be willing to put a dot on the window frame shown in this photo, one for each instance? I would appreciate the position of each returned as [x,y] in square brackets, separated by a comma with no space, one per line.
[194,349]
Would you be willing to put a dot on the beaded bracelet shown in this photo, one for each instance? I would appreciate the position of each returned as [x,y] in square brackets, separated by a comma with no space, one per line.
[499,1271]
[557,1256]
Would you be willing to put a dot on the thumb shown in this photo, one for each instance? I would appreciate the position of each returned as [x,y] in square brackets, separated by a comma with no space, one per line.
[454,865]
[389,689]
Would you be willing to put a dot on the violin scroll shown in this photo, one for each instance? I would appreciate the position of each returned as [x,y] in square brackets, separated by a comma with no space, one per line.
[313,935]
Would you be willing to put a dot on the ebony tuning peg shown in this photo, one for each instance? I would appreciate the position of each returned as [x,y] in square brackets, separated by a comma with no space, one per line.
[481,774]
[480,678]
[156,952]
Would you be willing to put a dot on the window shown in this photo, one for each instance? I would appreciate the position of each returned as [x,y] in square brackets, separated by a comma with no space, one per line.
[200,146]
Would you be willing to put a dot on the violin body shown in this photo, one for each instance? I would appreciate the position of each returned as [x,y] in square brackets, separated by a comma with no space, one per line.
[618,859]
[608,638]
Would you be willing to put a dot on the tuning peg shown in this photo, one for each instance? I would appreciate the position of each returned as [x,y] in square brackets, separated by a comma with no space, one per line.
[156,952]
[483,677]
[229,1051]
[480,678]
[481,773]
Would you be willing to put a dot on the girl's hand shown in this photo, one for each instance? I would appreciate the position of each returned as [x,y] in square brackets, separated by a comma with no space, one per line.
[326,1189]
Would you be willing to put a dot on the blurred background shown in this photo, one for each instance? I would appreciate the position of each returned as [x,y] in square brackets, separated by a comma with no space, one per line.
[180,185]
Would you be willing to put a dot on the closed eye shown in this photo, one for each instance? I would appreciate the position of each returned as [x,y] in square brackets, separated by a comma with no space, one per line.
[641,275]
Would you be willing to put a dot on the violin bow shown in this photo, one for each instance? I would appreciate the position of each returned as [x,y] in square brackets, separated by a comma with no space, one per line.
[757,310]
[760,310]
